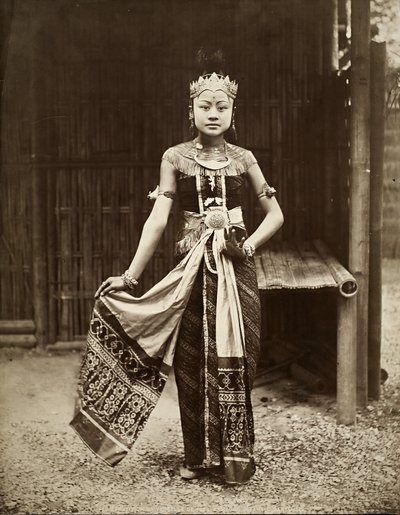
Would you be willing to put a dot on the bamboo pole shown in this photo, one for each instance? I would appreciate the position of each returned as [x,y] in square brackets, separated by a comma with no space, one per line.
[378,72]
[66,345]
[346,359]
[26,341]
[39,197]
[39,255]
[51,256]
[17,327]
[360,182]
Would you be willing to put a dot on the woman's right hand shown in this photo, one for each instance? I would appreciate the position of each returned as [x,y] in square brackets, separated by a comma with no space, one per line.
[110,284]
[232,247]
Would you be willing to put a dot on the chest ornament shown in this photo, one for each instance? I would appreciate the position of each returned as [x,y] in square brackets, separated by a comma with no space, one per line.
[216,218]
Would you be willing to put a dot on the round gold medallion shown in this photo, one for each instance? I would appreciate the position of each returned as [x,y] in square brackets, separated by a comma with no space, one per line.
[216,219]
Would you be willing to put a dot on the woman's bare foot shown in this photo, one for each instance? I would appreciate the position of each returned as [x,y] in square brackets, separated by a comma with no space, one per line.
[189,474]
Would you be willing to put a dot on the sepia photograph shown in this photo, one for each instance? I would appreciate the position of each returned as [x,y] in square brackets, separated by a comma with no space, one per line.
[199,257]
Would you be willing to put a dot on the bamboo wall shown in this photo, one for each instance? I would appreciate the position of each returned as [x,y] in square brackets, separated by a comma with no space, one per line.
[95,91]
[391,187]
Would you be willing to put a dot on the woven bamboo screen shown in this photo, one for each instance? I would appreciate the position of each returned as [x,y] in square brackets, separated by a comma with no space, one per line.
[104,93]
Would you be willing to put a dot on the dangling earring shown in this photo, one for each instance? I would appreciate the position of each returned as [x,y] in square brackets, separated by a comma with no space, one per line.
[233,126]
[191,120]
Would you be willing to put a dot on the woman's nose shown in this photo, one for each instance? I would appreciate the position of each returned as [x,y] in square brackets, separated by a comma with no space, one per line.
[212,115]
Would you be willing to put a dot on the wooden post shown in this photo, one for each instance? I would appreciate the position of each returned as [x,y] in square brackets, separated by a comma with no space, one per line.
[330,66]
[346,359]
[359,183]
[378,72]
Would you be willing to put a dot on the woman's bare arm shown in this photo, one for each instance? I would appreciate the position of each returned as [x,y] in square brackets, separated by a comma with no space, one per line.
[273,219]
[156,222]
[151,232]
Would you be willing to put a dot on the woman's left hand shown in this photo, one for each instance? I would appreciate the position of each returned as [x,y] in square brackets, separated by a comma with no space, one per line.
[232,247]
[111,284]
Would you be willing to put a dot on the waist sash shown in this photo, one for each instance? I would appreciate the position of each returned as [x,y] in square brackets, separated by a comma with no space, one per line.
[194,225]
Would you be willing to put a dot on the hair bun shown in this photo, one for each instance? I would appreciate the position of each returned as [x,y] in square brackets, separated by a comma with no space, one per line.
[210,61]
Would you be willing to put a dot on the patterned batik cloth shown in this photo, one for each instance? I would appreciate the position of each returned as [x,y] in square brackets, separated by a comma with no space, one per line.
[214,392]
[129,352]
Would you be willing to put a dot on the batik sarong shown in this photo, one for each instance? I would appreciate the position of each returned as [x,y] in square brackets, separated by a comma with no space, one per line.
[214,391]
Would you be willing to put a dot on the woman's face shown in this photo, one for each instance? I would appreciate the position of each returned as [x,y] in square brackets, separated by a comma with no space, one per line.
[212,112]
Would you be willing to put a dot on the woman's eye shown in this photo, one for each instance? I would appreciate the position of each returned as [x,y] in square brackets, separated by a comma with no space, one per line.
[204,107]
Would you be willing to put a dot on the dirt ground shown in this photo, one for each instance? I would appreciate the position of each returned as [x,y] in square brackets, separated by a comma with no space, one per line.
[306,462]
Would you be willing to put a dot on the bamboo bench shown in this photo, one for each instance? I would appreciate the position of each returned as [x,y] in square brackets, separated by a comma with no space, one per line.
[310,265]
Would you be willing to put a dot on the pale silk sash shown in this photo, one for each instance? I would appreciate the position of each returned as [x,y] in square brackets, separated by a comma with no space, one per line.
[153,319]
[230,339]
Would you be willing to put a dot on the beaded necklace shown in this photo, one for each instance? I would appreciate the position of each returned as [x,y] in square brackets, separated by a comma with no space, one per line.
[212,158]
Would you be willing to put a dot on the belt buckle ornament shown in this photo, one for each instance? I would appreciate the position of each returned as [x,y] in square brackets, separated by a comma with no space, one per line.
[216,218]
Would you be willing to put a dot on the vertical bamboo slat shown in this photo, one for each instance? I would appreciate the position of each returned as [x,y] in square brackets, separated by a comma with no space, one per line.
[51,257]
[341,135]
[39,205]
[346,360]
[66,255]
[360,182]
[378,73]
[39,256]
[88,234]
[330,53]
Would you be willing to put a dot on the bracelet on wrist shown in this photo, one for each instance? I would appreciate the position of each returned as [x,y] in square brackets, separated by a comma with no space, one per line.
[129,281]
[249,249]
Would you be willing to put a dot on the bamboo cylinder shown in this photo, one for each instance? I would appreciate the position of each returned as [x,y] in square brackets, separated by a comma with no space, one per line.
[346,283]
[346,359]
[360,182]
[17,327]
[26,341]
[378,72]
[66,345]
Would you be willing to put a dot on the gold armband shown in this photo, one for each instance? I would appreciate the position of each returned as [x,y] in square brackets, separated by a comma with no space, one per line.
[168,194]
[156,193]
[267,191]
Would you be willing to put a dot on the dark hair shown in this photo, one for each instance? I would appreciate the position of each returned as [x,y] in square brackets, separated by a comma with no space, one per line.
[210,60]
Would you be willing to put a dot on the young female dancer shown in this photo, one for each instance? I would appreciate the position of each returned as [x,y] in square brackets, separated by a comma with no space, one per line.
[203,317]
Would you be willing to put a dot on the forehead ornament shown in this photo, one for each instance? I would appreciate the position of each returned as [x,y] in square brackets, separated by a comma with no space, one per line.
[213,82]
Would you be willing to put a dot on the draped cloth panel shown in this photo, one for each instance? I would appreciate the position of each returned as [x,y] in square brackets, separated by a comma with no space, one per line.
[130,350]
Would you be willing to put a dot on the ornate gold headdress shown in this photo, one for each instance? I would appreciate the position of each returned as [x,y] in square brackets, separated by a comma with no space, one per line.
[213,82]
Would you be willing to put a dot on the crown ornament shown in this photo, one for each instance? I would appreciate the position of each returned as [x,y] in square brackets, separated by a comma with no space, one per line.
[213,82]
